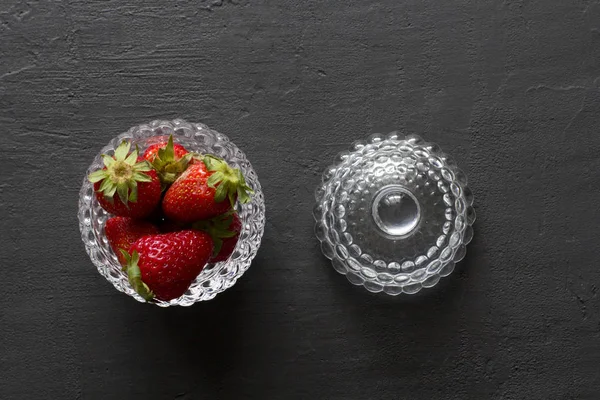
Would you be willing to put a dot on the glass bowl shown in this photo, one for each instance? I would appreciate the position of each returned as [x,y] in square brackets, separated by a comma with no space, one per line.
[394,214]
[214,278]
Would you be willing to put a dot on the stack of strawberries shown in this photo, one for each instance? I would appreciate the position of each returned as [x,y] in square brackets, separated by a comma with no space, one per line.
[174,212]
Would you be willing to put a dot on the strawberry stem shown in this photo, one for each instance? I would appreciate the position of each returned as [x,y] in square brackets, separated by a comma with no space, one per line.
[167,166]
[121,174]
[228,182]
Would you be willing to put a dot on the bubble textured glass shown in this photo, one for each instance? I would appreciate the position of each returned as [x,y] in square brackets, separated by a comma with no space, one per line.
[215,278]
[394,214]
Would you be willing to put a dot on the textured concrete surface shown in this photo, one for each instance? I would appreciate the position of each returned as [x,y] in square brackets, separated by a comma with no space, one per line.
[511,89]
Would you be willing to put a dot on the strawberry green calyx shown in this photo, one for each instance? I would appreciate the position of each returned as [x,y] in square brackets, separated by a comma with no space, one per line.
[230,181]
[135,276]
[121,174]
[167,166]
[218,229]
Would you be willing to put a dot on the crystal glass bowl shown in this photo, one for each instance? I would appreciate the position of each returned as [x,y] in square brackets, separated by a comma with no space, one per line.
[394,214]
[215,278]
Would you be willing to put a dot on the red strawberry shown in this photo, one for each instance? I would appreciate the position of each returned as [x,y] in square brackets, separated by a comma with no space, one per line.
[202,191]
[168,159]
[122,232]
[132,179]
[165,265]
[225,231]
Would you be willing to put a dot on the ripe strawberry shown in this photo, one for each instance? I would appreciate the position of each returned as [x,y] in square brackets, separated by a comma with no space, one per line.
[225,231]
[122,232]
[168,159]
[132,179]
[165,265]
[201,191]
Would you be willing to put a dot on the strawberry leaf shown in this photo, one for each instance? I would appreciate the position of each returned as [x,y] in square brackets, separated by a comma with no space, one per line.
[141,177]
[210,162]
[132,158]
[243,195]
[110,192]
[133,191]
[123,192]
[217,246]
[122,151]
[167,153]
[134,276]
[126,257]
[97,176]
[107,160]
[105,185]
[220,193]
[215,178]
[143,166]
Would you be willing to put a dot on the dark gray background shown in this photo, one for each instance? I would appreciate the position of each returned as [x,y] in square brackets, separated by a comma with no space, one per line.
[511,89]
